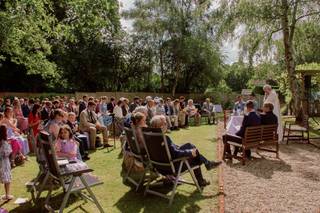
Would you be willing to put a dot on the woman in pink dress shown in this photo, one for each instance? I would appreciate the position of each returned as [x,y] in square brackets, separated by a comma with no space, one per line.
[22,122]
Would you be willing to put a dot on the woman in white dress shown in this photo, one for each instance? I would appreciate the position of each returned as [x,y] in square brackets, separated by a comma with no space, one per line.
[270,96]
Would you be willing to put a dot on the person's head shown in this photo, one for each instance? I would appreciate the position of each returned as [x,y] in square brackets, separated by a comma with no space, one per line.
[1,101]
[21,100]
[139,119]
[250,106]
[148,98]
[267,89]
[120,103]
[168,100]
[150,103]
[3,132]
[136,100]
[35,109]
[126,101]
[85,98]
[8,112]
[65,132]
[71,117]
[252,96]
[71,101]
[208,100]
[267,107]
[56,104]
[112,99]
[57,115]
[31,102]
[16,102]
[176,102]
[159,121]
[182,98]
[141,109]
[48,104]
[161,102]
[104,99]
[190,102]
[239,98]
[91,106]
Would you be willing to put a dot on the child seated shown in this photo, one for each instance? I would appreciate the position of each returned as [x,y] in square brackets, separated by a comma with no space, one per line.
[66,146]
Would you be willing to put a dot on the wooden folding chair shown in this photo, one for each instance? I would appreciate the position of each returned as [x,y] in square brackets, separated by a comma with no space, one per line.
[294,131]
[161,161]
[77,172]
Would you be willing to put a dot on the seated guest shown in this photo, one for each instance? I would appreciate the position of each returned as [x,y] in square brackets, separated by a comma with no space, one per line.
[34,119]
[135,104]
[104,117]
[71,106]
[89,123]
[111,104]
[81,138]
[24,107]
[66,146]
[151,109]
[22,122]
[192,111]
[118,116]
[267,117]
[138,122]
[207,109]
[252,97]
[125,106]
[83,104]
[53,125]
[160,110]
[172,113]
[251,119]
[46,111]
[239,105]
[186,150]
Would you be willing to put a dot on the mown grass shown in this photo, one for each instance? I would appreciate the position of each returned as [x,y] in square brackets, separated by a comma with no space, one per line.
[114,196]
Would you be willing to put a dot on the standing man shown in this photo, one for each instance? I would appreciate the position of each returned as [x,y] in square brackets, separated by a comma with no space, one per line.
[207,109]
[270,96]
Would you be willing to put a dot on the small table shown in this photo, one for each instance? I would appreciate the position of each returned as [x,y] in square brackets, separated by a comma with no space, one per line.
[234,124]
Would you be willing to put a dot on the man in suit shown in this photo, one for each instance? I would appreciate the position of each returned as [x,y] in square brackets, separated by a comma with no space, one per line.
[83,104]
[186,150]
[46,111]
[251,119]
[268,117]
[89,123]
[111,104]
[134,104]
[168,107]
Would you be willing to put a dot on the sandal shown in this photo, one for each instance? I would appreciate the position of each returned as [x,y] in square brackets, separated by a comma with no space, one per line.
[7,197]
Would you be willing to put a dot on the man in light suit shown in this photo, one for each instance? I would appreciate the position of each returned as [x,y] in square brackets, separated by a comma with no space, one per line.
[207,109]
[89,123]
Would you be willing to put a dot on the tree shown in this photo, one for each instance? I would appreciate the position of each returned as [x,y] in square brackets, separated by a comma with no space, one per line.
[262,20]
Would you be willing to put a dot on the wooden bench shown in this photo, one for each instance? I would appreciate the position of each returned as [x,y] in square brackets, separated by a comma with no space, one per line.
[260,137]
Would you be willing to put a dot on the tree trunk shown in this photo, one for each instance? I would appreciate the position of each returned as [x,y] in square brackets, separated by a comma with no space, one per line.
[289,56]
[162,71]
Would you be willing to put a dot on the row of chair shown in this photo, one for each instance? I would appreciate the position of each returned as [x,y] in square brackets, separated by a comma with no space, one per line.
[157,158]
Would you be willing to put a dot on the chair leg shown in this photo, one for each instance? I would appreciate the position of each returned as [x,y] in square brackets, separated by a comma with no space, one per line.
[141,180]
[66,196]
[243,156]
[193,176]
[175,184]
[45,180]
[277,149]
[91,194]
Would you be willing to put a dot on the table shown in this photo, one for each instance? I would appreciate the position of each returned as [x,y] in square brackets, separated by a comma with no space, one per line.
[234,124]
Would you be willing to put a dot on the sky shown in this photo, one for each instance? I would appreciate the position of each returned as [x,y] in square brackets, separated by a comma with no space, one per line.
[229,48]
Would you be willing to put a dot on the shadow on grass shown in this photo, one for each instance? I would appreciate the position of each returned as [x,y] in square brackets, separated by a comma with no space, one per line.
[137,202]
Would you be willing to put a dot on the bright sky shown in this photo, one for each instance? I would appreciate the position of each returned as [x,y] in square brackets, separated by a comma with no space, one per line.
[230,48]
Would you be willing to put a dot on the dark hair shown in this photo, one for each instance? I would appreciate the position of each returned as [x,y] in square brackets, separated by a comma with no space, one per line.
[35,109]
[55,113]
[83,97]
[68,129]
[7,109]
[119,102]
[136,98]
[253,95]
[112,99]
[250,105]
[3,132]
[91,103]
[269,105]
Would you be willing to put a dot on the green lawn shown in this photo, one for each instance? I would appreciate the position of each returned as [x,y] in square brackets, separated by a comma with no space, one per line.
[116,197]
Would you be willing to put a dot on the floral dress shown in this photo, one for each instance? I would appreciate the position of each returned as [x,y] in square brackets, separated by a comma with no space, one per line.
[5,170]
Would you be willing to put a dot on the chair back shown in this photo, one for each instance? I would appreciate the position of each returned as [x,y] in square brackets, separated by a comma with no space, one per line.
[158,151]
[226,116]
[132,141]
[46,145]
[252,136]
[269,132]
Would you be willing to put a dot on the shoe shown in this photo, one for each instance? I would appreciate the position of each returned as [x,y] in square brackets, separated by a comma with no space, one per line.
[204,183]
[7,197]
[212,165]
[107,145]
[86,157]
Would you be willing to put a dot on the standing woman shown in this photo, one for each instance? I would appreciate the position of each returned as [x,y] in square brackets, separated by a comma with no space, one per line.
[270,96]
